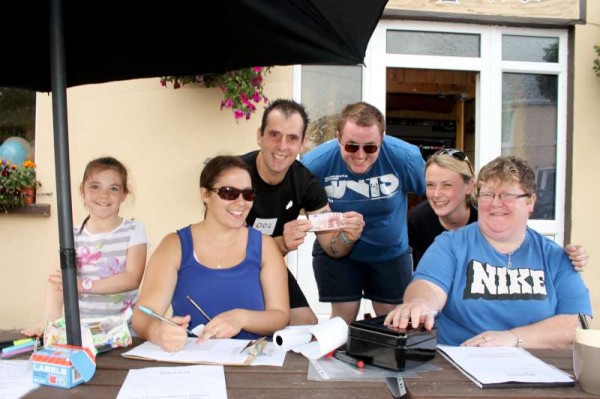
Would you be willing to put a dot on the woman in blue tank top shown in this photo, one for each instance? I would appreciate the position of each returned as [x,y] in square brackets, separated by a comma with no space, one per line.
[232,272]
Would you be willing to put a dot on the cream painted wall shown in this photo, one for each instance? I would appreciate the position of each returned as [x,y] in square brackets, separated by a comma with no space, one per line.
[586,142]
[162,135]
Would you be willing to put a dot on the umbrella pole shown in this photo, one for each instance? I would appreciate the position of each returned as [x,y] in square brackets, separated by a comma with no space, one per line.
[63,182]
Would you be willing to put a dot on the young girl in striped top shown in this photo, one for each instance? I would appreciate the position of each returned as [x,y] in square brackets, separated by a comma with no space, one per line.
[111,250]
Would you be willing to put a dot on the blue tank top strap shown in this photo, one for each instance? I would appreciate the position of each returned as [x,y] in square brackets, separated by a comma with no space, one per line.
[254,246]
[187,244]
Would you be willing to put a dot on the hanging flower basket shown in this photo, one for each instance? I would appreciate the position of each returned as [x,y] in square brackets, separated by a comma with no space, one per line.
[242,89]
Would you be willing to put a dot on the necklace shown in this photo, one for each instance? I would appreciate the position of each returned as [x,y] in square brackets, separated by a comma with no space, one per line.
[510,254]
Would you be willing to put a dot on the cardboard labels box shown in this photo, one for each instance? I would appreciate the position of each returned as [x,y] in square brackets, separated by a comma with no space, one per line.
[63,366]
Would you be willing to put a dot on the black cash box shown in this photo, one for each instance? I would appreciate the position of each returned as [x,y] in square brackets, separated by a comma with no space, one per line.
[389,347]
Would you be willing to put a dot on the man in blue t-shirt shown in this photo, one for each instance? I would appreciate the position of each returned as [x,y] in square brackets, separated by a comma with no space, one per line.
[284,188]
[366,171]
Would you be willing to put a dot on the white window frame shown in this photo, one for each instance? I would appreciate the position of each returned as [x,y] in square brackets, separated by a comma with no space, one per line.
[490,66]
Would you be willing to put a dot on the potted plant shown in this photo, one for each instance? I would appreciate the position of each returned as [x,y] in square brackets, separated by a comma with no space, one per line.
[17,185]
[29,183]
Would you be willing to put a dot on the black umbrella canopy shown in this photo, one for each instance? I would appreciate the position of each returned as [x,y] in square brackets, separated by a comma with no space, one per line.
[116,40]
[49,45]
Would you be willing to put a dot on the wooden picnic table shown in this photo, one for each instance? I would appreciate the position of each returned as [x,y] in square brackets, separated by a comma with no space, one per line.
[290,381]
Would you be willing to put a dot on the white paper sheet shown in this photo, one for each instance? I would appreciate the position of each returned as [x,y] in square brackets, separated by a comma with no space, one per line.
[328,336]
[184,382]
[502,365]
[213,351]
[16,378]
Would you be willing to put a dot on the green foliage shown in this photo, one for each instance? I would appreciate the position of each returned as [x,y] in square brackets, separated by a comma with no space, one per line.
[12,180]
[597,60]
[10,188]
[26,175]
[242,89]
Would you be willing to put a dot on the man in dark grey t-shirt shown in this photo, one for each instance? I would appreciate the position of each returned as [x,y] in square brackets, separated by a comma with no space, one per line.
[285,188]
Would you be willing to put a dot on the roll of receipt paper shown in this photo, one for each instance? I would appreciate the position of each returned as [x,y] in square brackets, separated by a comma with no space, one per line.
[313,341]
[291,337]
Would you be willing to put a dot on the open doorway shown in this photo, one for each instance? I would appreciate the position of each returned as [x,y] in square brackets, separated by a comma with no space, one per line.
[432,109]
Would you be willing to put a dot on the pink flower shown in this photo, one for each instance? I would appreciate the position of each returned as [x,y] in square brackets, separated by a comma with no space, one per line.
[176,85]
[247,103]
[238,113]
[257,69]
[229,103]
[163,83]
[87,257]
[256,97]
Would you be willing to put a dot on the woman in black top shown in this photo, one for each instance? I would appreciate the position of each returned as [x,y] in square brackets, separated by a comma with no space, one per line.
[451,199]
[450,204]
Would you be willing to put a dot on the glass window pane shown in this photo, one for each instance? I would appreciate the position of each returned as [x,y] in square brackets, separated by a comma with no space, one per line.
[17,122]
[529,110]
[529,48]
[432,43]
[325,91]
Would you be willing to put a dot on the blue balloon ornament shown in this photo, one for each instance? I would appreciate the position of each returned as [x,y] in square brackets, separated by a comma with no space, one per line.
[14,151]
[20,140]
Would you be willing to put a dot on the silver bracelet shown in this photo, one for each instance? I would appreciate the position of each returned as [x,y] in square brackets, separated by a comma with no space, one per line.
[346,240]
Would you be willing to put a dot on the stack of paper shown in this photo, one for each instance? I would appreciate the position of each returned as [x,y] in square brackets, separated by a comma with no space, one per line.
[504,367]
[212,351]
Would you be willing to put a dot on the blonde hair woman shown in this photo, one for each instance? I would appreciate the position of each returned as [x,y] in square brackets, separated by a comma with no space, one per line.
[451,204]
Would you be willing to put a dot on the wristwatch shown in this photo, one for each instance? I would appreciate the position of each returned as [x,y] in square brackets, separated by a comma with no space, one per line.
[86,284]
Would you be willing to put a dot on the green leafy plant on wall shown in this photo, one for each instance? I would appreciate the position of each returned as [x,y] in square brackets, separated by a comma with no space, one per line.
[13,179]
[242,89]
[597,60]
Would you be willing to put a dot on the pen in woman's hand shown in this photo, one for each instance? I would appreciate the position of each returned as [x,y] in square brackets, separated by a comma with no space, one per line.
[198,307]
[150,313]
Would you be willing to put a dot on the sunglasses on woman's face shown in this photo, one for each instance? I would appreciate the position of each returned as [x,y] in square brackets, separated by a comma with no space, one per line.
[231,193]
[367,148]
